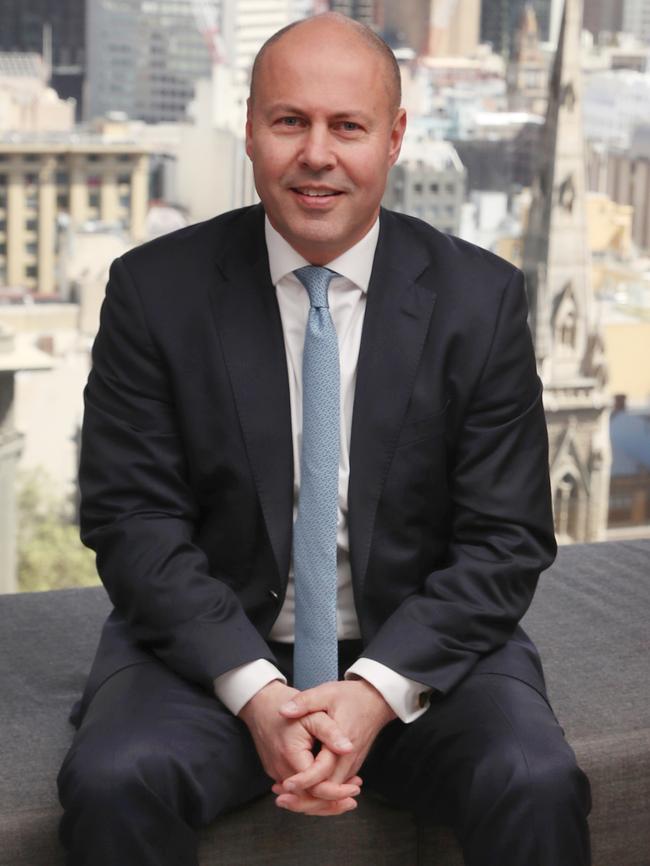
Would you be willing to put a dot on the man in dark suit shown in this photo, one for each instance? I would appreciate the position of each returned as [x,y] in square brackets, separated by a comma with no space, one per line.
[191,473]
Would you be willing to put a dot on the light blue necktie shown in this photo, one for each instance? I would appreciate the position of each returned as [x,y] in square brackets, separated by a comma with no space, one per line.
[314,532]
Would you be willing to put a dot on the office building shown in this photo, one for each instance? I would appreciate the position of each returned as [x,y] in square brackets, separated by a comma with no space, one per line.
[143,58]
[53,28]
[428,182]
[365,11]
[50,181]
[433,28]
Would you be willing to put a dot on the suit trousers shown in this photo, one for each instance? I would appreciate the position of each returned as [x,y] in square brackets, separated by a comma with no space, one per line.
[156,757]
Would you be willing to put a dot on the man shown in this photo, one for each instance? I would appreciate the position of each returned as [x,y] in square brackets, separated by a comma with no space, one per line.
[197,456]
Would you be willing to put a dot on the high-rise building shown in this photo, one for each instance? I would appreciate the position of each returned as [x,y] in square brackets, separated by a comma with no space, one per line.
[54,28]
[567,339]
[636,18]
[143,58]
[365,11]
[527,74]
[500,20]
[603,16]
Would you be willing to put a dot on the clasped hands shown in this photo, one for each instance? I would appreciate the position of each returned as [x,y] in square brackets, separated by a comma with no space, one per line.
[344,717]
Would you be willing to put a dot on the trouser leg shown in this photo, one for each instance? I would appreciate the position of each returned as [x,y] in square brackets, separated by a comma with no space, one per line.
[491,760]
[154,758]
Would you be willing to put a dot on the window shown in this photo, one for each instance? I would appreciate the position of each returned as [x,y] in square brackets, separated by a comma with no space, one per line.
[62,201]
[3,225]
[62,178]
[93,199]
[31,225]
[31,179]
[450,188]
[31,248]
[93,157]
[3,179]
[94,180]
[124,178]
[3,248]
[417,187]
[125,200]
[31,157]
[433,187]
[31,271]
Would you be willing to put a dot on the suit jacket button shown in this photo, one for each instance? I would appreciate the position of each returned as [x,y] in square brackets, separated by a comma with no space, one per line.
[273,594]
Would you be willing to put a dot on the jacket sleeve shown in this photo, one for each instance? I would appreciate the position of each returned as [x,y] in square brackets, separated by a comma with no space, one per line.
[138,512]
[502,526]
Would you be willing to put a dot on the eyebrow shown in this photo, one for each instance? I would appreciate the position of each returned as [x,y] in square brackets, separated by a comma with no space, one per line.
[353,113]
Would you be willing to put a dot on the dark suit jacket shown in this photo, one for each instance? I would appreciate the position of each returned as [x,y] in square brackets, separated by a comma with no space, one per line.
[186,466]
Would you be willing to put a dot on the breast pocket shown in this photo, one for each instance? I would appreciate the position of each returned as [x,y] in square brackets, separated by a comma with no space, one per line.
[423,428]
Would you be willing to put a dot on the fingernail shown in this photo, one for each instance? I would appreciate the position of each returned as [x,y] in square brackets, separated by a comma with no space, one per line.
[343,744]
[355,792]
[289,786]
[289,707]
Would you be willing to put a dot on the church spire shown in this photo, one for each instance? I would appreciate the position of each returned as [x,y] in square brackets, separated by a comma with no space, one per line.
[557,264]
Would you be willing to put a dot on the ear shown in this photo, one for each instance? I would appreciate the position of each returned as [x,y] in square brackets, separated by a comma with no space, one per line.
[397,136]
[249,129]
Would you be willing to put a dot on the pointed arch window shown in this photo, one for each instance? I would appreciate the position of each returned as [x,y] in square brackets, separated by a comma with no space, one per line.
[566,503]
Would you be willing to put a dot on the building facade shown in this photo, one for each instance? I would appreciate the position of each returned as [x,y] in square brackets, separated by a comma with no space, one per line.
[428,182]
[568,343]
[143,58]
[636,18]
[48,183]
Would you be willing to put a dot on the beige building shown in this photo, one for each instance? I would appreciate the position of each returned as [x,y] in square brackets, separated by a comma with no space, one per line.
[27,104]
[626,179]
[49,181]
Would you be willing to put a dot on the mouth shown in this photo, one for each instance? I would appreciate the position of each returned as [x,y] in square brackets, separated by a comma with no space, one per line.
[313,196]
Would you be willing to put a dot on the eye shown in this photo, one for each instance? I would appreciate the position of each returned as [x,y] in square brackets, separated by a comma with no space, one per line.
[349,126]
[289,121]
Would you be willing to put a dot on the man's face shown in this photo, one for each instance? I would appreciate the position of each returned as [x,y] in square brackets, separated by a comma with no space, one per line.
[322,136]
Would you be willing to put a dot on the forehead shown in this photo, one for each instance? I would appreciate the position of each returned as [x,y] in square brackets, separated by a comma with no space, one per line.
[322,64]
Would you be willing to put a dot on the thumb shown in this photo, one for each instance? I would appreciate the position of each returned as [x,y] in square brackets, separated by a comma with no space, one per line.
[303,703]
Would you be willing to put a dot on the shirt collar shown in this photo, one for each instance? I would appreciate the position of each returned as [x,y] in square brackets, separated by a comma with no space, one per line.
[355,264]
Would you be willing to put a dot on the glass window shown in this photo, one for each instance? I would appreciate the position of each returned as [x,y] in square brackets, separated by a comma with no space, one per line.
[62,178]
[31,271]
[31,248]
[93,199]
[94,180]
[31,225]
[31,178]
[125,200]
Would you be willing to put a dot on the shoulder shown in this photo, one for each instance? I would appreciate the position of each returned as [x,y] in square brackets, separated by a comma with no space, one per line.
[196,246]
[446,253]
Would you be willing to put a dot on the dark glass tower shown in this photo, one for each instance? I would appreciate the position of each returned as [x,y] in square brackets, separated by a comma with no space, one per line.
[500,20]
[24,25]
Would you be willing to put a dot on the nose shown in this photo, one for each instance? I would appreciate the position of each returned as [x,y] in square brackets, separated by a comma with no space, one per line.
[317,153]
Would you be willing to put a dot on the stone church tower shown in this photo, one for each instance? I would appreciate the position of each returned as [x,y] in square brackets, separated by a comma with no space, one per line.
[568,345]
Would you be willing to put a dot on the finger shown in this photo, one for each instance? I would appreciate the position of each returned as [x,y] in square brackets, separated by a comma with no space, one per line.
[313,806]
[309,701]
[334,791]
[324,728]
[320,769]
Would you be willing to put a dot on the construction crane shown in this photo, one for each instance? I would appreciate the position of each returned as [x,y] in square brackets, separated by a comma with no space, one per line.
[208,20]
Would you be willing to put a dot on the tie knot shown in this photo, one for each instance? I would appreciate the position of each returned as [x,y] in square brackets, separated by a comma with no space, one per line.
[316,280]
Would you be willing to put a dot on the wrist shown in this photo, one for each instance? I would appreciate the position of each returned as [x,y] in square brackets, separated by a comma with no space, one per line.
[274,692]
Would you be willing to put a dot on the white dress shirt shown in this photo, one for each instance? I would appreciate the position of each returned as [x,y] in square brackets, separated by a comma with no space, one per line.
[347,303]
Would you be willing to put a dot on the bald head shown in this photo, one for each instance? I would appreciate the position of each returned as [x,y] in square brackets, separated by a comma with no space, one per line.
[334,26]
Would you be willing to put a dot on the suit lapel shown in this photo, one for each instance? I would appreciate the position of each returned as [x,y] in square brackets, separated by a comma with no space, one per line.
[396,322]
[249,324]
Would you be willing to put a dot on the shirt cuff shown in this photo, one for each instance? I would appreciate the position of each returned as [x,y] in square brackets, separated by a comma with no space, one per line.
[407,698]
[236,687]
